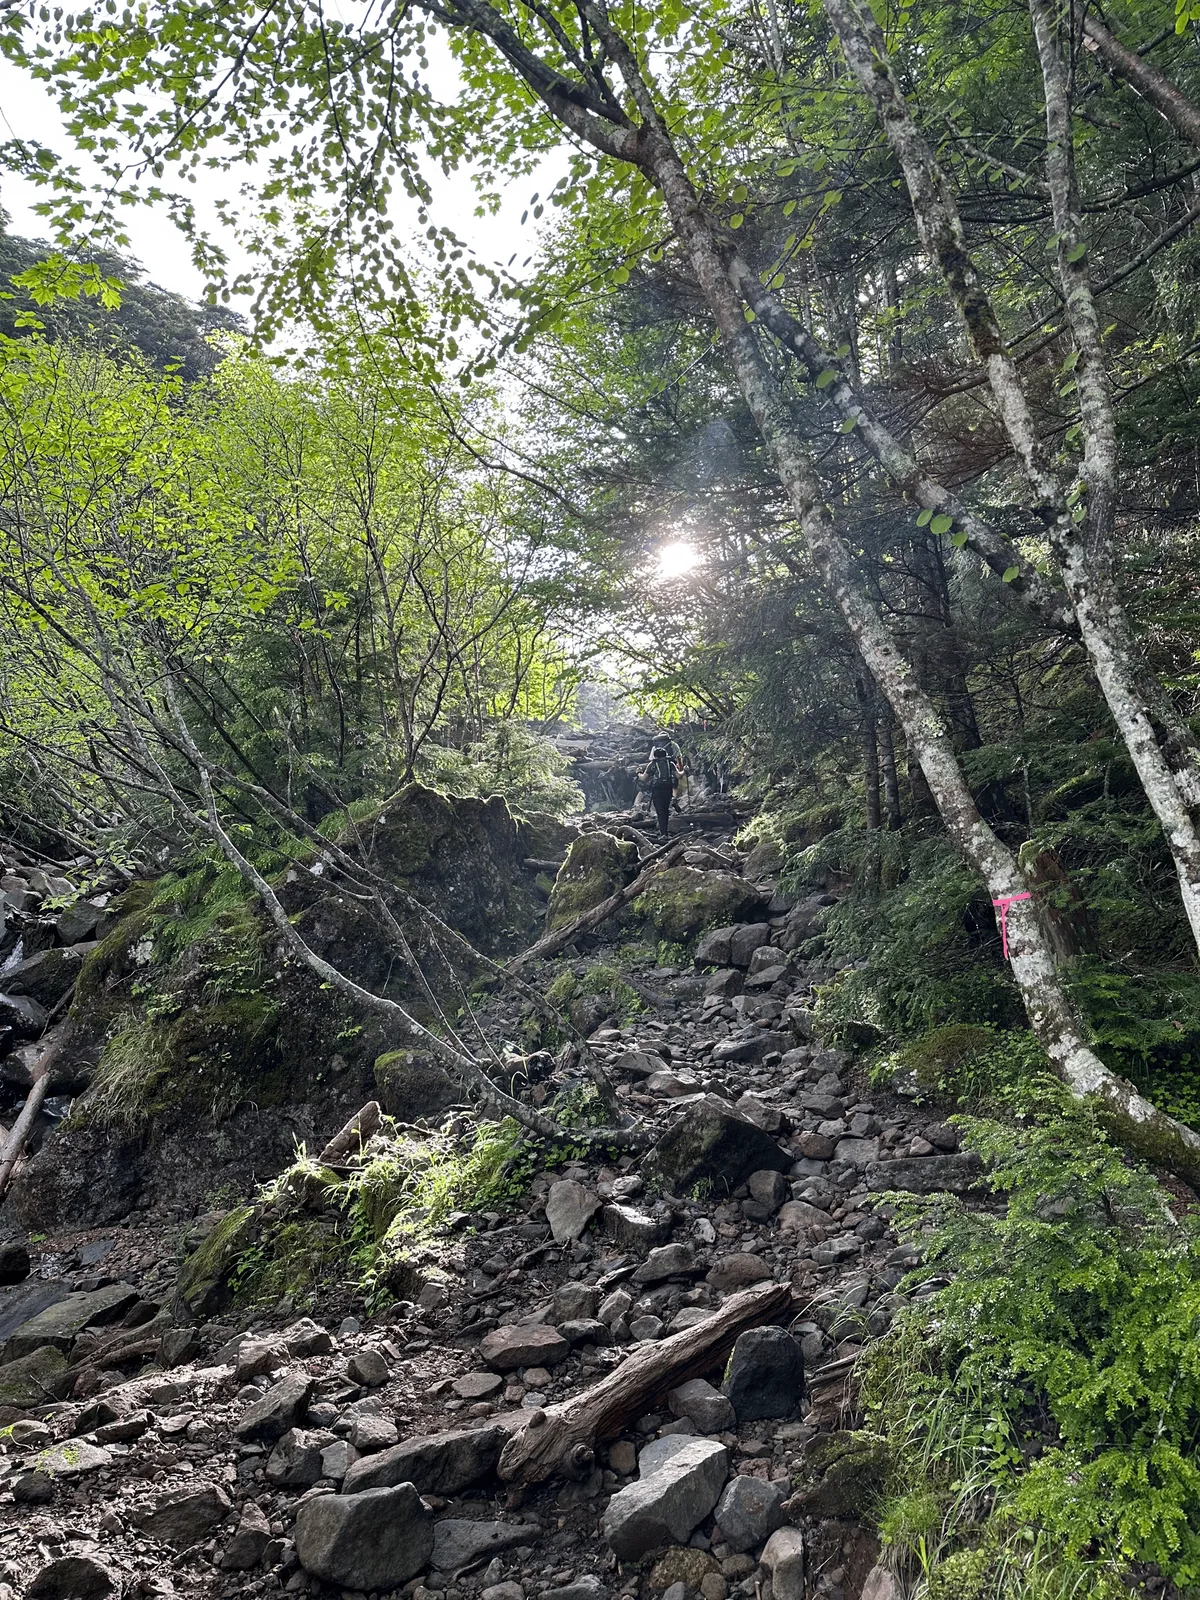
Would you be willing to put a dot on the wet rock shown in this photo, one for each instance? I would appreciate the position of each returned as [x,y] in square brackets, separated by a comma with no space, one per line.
[370,1541]
[183,1519]
[841,1474]
[253,1534]
[295,1461]
[664,1263]
[569,1208]
[711,1145]
[74,1578]
[783,1557]
[23,1016]
[457,1542]
[664,1506]
[958,1174]
[749,1511]
[737,1270]
[707,1407]
[59,1325]
[633,1229]
[281,1408]
[437,1463]
[765,1374]
[523,1345]
[46,976]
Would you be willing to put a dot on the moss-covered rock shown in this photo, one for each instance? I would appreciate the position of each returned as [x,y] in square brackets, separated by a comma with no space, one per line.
[682,901]
[412,1085]
[203,1286]
[939,1058]
[597,865]
[545,837]
[33,1379]
[841,1475]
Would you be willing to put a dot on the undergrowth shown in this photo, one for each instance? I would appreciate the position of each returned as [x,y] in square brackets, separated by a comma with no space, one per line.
[1044,1407]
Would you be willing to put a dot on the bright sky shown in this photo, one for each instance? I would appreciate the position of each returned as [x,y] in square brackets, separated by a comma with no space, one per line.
[27,111]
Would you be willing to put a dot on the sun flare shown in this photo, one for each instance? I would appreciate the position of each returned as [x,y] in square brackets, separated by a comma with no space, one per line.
[677,559]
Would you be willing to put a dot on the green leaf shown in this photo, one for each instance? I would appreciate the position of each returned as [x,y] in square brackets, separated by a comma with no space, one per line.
[826,378]
[958,539]
[1010,574]
[736,220]
[942,523]
[842,351]
[1077,252]
[848,426]
[923,518]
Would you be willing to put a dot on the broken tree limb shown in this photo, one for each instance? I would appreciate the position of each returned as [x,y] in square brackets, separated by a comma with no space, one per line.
[563,1437]
[554,942]
[23,1126]
[365,1122]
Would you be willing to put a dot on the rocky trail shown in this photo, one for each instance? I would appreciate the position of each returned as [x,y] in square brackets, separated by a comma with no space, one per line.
[636,1379]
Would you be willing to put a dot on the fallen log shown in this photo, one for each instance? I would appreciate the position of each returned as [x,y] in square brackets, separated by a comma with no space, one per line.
[554,942]
[563,1437]
[23,1126]
[365,1122]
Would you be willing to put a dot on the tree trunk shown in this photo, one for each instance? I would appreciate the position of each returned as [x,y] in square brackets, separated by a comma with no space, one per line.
[891,781]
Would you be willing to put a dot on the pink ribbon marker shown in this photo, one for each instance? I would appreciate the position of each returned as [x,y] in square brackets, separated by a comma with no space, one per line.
[1003,906]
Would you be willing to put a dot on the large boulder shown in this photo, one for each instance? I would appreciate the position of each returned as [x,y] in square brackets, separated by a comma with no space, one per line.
[765,1374]
[374,1541]
[46,976]
[597,865]
[30,1379]
[60,1325]
[711,1145]
[682,901]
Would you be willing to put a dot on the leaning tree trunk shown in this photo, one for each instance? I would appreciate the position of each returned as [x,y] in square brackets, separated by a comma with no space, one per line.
[1053,1019]
[1160,745]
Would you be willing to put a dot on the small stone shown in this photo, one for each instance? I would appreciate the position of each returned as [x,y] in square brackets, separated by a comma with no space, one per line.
[183,1519]
[477,1385]
[575,1302]
[879,1584]
[675,1591]
[569,1209]
[588,1330]
[749,1511]
[737,1271]
[280,1408]
[665,1505]
[646,1328]
[306,1338]
[337,1459]
[368,1433]
[368,1367]
[460,1543]
[769,1188]
[664,1263]
[33,1489]
[587,1587]
[713,1586]
[503,1591]
[246,1548]
[615,1306]
[783,1557]
[257,1357]
[622,1457]
[632,1229]
[295,1461]
[523,1345]
[800,1217]
[707,1407]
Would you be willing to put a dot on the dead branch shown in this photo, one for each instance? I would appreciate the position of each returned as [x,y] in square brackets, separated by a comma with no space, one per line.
[563,1437]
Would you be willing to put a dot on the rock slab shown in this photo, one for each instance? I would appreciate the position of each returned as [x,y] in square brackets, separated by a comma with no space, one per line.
[667,1504]
[370,1541]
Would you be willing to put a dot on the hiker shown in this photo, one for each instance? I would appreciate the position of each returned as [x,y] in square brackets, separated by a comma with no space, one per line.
[660,776]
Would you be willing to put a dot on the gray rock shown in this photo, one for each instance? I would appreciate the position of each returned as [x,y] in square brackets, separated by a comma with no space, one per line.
[647,1327]
[769,1188]
[374,1540]
[337,1459]
[502,1591]
[33,1489]
[478,1385]
[437,1463]
[664,1263]
[23,1015]
[752,1047]
[857,1152]
[281,1408]
[928,1174]
[72,1458]
[370,1433]
[765,1374]
[295,1461]
[659,1451]
[750,937]
[257,1357]
[749,1511]
[74,1578]
[575,1302]
[707,1407]
[79,921]
[800,1217]
[45,976]
[880,1584]
[569,1209]
[183,1520]
[738,1270]
[588,1587]
[588,1330]
[615,1305]
[245,1549]
[633,1229]
[711,1145]
[665,1506]
[61,1323]
[30,1379]
[713,947]
[306,1338]
[368,1367]
[783,1558]
[457,1542]
[523,1345]
[727,982]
